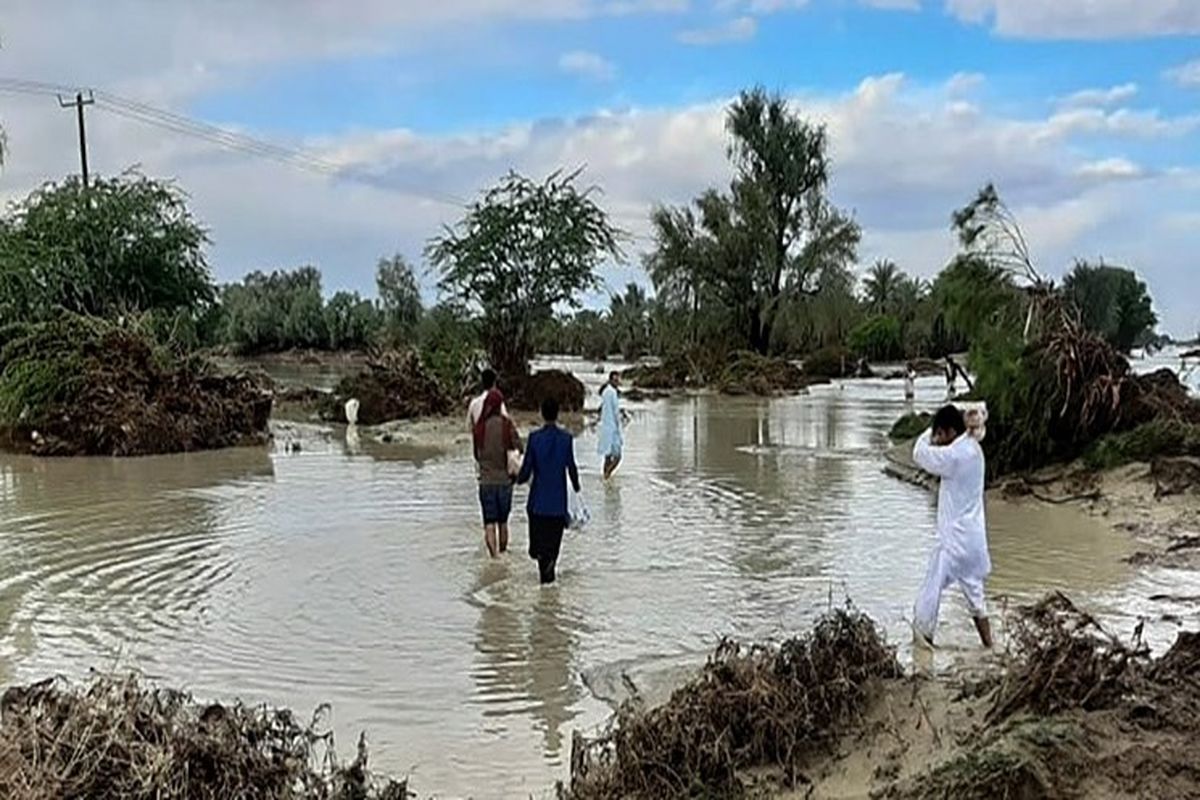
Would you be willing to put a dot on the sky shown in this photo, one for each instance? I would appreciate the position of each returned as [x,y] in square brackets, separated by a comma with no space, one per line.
[1084,113]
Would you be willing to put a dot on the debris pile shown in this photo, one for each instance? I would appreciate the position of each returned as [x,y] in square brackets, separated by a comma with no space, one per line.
[83,386]
[395,385]
[753,374]
[526,392]
[749,707]
[118,738]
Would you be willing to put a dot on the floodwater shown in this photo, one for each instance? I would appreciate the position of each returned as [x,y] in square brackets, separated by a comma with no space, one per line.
[360,580]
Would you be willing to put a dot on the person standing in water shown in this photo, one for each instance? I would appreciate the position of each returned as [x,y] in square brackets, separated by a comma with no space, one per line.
[549,461]
[961,554]
[611,442]
[910,382]
[495,436]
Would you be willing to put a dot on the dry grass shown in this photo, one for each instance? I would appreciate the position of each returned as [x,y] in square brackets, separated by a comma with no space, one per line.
[118,738]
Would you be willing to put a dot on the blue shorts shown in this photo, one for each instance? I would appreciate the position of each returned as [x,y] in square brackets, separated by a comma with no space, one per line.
[496,502]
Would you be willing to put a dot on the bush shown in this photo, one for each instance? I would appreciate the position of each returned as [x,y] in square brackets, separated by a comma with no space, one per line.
[878,339]
[1144,443]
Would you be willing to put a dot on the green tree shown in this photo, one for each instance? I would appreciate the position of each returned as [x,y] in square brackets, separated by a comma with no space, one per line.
[772,237]
[882,287]
[279,311]
[521,251]
[1111,302]
[124,245]
[399,296]
[878,339]
[629,316]
[352,323]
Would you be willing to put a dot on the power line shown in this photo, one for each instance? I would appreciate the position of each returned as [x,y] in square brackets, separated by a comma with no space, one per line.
[224,138]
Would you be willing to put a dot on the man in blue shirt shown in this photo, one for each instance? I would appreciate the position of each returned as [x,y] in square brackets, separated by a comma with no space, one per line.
[549,460]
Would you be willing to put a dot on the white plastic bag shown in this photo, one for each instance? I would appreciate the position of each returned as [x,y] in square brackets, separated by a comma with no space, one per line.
[514,463]
[578,515]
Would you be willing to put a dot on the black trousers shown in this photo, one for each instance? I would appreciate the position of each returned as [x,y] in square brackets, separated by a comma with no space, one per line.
[545,541]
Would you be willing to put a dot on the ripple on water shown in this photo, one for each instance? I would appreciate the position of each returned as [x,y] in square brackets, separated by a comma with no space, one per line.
[329,577]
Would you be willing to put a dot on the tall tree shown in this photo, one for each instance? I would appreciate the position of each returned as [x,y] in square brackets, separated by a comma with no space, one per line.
[629,314]
[399,295]
[772,236]
[882,287]
[1112,302]
[519,252]
[126,244]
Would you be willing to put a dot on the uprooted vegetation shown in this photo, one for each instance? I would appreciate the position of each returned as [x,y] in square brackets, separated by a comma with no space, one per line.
[741,372]
[394,385]
[85,386]
[119,738]
[749,707]
[1078,713]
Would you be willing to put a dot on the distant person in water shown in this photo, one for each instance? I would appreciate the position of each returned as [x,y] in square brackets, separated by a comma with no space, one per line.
[475,409]
[961,554]
[495,436]
[549,461]
[910,382]
[611,442]
[951,376]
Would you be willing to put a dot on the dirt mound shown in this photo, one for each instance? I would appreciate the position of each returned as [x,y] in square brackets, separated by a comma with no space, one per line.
[526,392]
[749,707]
[750,373]
[672,373]
[119,739]
[79,386]
[395,385]
[1079,713]
[832,362]
[1175,475]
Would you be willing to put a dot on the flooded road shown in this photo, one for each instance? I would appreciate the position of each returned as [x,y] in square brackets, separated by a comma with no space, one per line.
[360,580]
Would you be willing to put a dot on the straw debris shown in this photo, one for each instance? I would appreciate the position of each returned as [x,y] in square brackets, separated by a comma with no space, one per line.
[118,738]
[750,707]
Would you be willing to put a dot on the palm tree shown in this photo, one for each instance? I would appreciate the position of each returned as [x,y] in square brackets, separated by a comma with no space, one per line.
[882,286]
[630,315]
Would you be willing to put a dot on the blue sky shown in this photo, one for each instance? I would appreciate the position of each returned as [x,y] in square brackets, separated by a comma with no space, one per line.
[1086,113]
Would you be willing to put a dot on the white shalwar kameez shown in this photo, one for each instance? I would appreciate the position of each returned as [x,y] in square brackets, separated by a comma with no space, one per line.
[961,555]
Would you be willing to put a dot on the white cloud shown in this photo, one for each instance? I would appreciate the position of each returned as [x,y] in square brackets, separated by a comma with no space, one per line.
[1100,97]
[1186,75]
[1081,19]
[739,29]
[1107,169]
[962,83]
[1123,122]
[588,65]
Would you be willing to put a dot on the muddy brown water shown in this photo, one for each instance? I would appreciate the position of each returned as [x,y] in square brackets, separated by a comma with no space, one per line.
[359,579]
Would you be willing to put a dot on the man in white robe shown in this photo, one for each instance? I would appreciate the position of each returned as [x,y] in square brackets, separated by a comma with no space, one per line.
[961,554]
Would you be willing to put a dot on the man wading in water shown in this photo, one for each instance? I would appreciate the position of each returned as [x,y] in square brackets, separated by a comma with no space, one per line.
[495,436]
[610,443]
[549,459]
[475,409]
[961,554]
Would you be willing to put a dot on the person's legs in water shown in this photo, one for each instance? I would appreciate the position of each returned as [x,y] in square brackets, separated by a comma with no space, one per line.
[503,511]
[545,541]
[972,589]
[610,465]
[929,599]
[490,505]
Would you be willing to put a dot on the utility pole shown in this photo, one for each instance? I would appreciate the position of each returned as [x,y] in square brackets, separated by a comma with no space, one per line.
[79,102]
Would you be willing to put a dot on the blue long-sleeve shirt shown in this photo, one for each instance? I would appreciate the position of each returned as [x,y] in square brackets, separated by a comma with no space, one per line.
[549,459]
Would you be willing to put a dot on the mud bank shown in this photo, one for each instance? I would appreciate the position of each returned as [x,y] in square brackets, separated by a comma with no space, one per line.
[1067,710]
